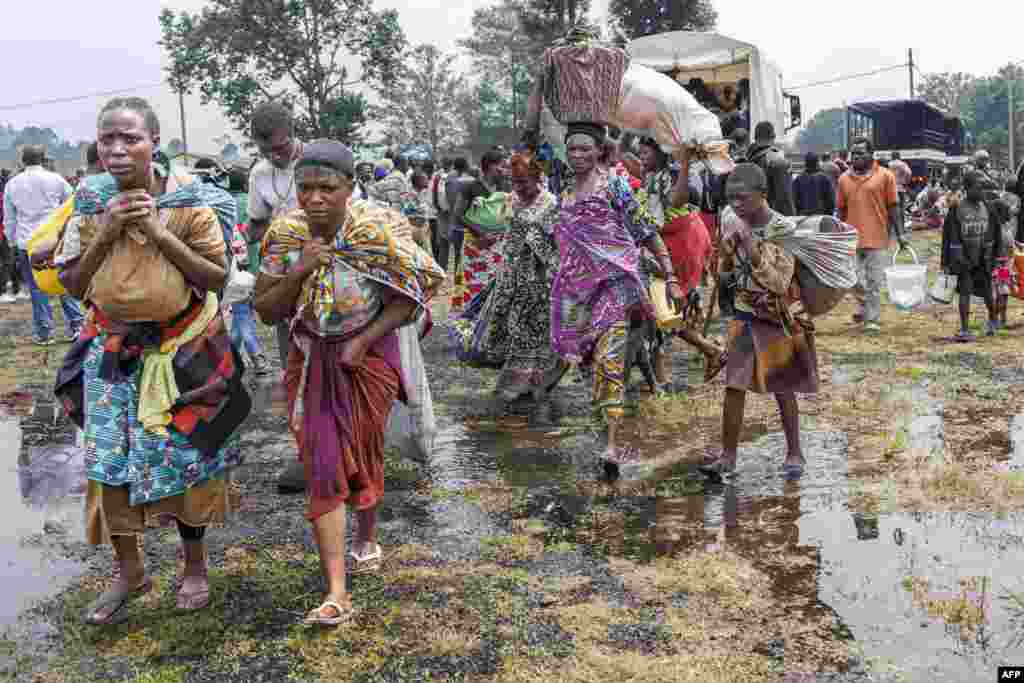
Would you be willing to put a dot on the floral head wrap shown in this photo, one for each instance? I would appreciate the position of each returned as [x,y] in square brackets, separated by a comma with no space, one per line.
[525,164]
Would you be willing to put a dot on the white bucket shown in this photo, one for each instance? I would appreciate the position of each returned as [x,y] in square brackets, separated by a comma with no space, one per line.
[907,284]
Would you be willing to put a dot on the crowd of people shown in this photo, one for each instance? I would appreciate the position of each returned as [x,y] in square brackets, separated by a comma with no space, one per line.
[548,267]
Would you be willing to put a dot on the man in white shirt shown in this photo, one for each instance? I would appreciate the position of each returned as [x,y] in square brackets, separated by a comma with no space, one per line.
[29,199]
[272,193]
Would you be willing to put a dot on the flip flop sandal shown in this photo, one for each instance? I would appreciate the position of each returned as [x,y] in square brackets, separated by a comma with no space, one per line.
[314,618]
[366,564]
[190,602]
[119,601]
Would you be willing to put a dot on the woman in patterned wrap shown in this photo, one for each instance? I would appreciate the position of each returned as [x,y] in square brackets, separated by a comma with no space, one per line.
[152,379]
[771,350]
[512,329]
[599,290]
[339,270]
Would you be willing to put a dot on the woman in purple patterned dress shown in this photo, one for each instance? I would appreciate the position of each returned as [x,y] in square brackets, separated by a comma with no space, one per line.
[599,289]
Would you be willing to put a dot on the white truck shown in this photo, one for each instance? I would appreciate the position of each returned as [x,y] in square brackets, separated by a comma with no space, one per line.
[720,61]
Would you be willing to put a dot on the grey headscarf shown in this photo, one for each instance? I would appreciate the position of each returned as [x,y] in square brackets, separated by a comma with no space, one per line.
[328,154]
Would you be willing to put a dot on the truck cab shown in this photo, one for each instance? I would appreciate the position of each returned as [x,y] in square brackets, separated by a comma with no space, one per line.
[927,138]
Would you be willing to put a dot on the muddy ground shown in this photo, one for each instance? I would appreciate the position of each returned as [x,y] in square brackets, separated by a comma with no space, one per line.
[896,558]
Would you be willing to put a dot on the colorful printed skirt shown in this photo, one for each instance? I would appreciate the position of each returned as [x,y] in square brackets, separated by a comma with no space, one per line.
[138,478]
[765,360]
[479,266]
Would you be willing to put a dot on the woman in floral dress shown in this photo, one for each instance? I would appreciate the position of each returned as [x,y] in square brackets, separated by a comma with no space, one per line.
[513,328]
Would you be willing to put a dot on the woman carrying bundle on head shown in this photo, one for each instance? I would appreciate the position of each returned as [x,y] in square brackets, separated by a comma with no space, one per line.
[599,290]
[688,243]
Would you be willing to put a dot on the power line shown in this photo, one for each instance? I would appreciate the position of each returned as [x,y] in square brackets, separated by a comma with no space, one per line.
[76,98]
[847,78]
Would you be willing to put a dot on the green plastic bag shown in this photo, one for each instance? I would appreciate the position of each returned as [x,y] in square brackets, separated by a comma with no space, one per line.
[489,214]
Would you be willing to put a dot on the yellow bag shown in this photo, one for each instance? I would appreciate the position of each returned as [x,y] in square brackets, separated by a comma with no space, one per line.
[44,239]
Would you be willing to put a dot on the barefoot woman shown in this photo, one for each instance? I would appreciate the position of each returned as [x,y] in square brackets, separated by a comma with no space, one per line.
[152,379]
[336,269]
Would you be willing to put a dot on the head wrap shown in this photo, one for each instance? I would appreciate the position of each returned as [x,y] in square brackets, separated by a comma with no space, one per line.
[593,130]
[525,164]
[327,154]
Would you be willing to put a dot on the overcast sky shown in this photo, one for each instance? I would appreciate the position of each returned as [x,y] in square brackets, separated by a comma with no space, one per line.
[111,44]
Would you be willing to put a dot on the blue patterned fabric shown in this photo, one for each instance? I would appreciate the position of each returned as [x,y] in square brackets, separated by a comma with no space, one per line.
[120,452]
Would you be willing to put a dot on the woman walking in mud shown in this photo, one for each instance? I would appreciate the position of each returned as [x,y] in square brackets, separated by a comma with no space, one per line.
[688,243]
[152,379]
[336,269]
[512,329]
[771,351]
[599,291]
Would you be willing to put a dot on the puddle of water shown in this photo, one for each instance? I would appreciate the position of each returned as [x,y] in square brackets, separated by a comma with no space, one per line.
[1017,443]
[901,583]
[44,489]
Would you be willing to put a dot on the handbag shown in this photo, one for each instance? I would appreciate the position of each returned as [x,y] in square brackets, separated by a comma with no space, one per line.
[944,289]
[489,213]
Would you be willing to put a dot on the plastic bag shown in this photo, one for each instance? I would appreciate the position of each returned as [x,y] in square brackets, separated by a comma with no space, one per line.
[825,250]
[413,424]
[240,286]
[653,105]
[41,246]
[944,289]
[489,214]
[1017,290]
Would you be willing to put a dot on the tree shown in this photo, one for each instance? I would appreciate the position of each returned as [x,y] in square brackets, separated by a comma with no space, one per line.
[547,20]
[824,132]
[502,51]
[33,135]
[636,18]
[343,118]
[422,105]
[946,90]
[240,52]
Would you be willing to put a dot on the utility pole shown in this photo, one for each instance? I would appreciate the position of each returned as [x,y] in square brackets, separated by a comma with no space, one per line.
[910,68]
[1011,81]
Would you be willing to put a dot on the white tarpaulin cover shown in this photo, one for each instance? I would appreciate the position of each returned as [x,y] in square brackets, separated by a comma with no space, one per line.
[692,50]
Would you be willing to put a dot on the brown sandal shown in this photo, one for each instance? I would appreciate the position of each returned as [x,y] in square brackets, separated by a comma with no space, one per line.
[119,601]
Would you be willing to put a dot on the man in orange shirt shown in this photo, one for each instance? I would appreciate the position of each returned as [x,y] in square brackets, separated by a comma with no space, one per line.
[868,200]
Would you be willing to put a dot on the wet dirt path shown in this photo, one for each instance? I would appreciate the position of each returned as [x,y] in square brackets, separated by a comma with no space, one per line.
[895,558]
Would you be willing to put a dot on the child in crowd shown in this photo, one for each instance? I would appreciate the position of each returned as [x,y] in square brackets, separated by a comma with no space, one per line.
[971,240]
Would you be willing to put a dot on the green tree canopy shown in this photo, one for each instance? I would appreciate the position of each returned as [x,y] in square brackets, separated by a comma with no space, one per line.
[422,105]
[824,132]
[241,52]
[502,51]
